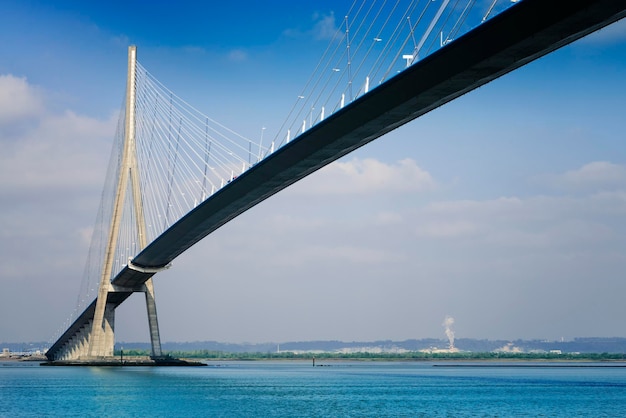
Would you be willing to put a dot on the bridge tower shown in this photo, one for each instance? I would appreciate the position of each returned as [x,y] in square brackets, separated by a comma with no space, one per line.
[101,338]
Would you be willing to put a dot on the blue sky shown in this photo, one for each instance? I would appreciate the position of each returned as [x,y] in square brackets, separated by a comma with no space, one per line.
[505,209]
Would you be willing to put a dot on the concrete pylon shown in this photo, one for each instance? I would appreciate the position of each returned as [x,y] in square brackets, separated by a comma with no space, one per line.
[102,336]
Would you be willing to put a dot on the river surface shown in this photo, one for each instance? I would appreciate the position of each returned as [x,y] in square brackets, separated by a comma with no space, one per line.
[331,389]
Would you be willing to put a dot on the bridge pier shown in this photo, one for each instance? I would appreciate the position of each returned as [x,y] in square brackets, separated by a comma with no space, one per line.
[102,334]
[153,322]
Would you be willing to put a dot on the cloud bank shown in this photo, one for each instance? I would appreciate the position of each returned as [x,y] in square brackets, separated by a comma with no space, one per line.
[51,174]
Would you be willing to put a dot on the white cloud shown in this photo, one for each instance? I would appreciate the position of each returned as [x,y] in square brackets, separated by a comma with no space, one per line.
[597,175]
[61,151]
[121,41]
[325,27]
[237,55]
[368,176]
[446,229]
[194,50]
[550,223]
[18,100]
[51,175]
[351,254]
[389,218]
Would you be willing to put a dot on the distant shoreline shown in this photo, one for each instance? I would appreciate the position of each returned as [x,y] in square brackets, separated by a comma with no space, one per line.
[451,359]
[23,358]
[458,356]
[332,362]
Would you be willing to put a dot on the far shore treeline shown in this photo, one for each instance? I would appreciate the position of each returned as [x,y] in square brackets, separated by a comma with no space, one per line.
[420,349]
[407,356]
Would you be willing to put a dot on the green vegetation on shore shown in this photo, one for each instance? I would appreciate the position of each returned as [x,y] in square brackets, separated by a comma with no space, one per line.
[407,356]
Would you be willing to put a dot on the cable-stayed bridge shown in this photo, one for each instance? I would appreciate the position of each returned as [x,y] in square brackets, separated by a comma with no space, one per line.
[176,175]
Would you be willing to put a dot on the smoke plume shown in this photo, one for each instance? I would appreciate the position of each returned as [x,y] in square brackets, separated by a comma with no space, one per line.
[447,323]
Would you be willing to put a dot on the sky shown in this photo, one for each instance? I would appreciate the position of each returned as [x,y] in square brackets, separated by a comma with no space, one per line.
[505,209]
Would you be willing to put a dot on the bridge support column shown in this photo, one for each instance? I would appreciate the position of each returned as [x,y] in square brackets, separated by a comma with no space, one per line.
[153,322]
[102,336]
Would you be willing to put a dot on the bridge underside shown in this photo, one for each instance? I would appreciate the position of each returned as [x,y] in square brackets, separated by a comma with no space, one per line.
[521,34]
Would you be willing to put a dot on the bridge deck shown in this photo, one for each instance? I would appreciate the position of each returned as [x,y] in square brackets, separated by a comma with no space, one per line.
[521,34]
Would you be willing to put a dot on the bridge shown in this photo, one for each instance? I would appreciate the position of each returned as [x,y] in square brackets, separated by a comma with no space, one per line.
[174,181]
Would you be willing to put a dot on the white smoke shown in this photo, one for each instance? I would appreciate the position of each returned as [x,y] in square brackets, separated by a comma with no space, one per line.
[447,323]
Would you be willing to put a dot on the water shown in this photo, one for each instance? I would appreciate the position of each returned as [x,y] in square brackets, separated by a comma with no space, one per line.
[296,389]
